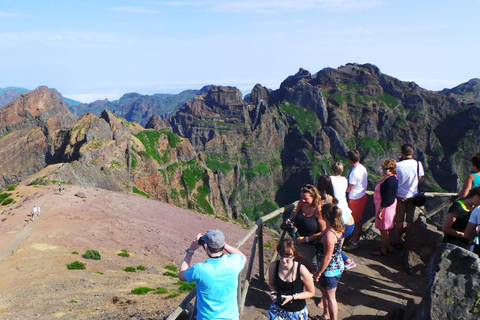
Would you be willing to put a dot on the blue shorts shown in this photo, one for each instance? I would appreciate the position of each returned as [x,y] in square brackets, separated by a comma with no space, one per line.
[329,282]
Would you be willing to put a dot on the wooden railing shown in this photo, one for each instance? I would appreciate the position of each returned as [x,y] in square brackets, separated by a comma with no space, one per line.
[257,231]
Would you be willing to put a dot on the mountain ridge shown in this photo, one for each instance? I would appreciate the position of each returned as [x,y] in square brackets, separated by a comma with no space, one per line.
[240,157]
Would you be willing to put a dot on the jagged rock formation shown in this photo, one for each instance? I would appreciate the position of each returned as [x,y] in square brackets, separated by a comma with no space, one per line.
[32,129]
[238,157]
[140,108]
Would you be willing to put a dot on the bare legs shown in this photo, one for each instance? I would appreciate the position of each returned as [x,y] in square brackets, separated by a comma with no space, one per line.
[385,237]
[330,306]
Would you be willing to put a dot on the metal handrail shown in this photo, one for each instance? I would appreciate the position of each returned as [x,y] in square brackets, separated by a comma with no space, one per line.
[257,231]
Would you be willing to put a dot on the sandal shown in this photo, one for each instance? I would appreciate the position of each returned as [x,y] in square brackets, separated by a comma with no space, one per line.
[378,253]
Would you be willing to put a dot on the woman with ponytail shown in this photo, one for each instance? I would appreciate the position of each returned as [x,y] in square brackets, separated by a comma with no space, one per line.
[330,265]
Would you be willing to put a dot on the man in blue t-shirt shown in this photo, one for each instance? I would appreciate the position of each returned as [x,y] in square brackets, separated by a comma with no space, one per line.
[217,277]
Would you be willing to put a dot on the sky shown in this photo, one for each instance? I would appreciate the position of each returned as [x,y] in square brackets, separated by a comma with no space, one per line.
[91,50]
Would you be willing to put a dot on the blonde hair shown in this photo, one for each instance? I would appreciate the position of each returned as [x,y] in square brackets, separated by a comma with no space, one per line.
[313,191]
[337,168]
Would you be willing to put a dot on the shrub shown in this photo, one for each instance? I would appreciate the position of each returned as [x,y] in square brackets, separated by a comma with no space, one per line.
[185,286]
[74,252]
[7,201]
[124,253]
[170,274]
[140,267]
[130,269]
[172,295]
[161,290]
[171,267]
[100,272]
[12,187]
[73,301]
[142,290]
[4,196]
[92,254]
[76,265]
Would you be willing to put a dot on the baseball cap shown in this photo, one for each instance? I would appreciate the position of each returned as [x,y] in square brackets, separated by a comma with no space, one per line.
[214,238]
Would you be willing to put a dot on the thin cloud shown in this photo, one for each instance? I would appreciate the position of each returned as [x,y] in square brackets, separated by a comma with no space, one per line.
[279,6]
[10,15]
[133,10]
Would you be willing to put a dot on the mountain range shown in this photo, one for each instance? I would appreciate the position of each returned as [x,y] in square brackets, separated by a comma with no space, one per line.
[239,157]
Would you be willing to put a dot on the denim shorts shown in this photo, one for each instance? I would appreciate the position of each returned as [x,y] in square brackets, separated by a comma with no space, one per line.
[329,282]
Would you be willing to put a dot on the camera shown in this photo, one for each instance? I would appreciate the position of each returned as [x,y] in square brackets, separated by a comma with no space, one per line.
[288,226]
[279,300]
[201,241]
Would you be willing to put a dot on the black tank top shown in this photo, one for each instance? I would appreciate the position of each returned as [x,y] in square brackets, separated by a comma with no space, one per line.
[306,226]
[288,288]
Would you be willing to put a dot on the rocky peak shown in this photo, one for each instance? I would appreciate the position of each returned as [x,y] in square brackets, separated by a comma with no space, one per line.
[224,96]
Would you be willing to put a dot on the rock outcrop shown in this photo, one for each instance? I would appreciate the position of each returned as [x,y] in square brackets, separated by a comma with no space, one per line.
[454,286]
[32,129]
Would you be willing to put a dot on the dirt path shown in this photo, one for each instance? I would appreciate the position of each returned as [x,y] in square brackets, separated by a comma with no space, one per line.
[36,284]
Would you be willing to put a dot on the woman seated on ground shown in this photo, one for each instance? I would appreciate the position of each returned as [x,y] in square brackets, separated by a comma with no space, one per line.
[473,180]
[325,185]
[385,205]
[309,222]
[457,218]
[472,231]
[330,265]
[290,284]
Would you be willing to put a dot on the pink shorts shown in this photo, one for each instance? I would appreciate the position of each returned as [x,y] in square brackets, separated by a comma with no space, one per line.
[357,206]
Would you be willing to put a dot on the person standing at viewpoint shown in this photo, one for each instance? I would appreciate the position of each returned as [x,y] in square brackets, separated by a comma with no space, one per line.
[357,195]
[217,277]
[408,179]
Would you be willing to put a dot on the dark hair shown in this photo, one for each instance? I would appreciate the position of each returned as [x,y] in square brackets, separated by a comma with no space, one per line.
[390,165]
[324,185]
[407,150]
[287,246]
[473,192]
[354,156]
[337,168]
[476,161]
[333,214]
[313,191]
[215,250]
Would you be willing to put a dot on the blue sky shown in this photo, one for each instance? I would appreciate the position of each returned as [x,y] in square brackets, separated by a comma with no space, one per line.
[91,50]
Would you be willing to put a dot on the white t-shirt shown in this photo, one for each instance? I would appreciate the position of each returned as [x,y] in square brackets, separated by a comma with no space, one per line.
[340,185]
[358,177]
[407,178]
[475,216]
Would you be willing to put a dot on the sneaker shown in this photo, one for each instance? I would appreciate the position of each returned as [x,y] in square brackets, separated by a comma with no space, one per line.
[351,246]
[350,265]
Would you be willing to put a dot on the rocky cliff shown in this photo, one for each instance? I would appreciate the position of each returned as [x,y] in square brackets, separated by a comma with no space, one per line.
[220,153]
[32,130]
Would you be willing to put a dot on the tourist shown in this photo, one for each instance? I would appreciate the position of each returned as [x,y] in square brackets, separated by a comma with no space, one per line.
[330,262]
[457,218]
[473,180]
[409,171]
[472,231]
[385,204]
[216,278]
[325,185]
[309,223]
[357,194]
[290,283]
